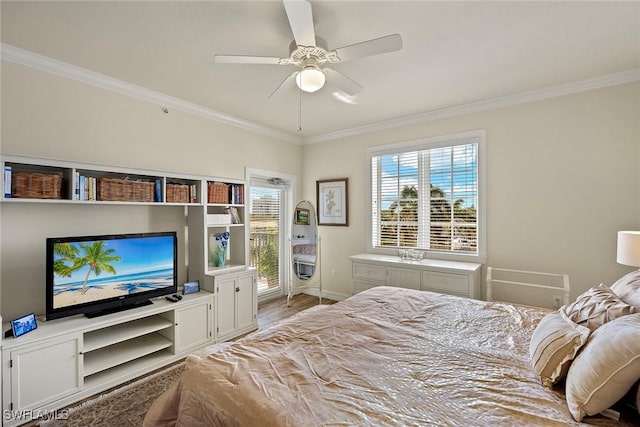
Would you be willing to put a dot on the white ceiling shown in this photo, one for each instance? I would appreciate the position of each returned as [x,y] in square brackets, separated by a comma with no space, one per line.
[454,53]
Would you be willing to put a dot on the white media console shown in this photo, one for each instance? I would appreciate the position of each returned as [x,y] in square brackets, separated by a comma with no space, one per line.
[66,360]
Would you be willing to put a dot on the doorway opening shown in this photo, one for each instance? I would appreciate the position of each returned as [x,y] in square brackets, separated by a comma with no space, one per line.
[269,198]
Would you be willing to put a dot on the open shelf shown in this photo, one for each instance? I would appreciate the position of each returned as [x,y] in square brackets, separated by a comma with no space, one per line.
[105,337]
[27,179]
[120,353]
[157,358]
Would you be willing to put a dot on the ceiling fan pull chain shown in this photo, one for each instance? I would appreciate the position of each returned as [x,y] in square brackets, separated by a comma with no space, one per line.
[299,110]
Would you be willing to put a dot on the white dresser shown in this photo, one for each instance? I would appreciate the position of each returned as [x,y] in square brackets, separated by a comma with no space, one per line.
[448,277]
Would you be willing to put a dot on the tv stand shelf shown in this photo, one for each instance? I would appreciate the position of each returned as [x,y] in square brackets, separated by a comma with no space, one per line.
[68,359]
[122,352]
[102,338]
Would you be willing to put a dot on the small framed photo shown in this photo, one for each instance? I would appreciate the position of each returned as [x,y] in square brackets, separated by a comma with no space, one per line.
[24,324]
[301,216]
[191,287]
[332,199]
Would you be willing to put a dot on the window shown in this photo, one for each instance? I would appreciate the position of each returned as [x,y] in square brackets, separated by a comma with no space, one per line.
[427,195]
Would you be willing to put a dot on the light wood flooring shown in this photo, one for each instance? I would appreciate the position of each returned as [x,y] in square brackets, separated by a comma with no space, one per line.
[275,310]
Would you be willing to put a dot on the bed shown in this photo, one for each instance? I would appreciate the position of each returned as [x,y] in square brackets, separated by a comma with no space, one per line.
[386,356]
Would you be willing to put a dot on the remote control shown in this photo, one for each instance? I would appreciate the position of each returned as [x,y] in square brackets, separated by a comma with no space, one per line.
[178,297]
[171,298]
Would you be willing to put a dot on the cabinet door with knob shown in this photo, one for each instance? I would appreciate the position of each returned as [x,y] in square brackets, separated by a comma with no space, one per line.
[40,373]
[193,326]
[236,304]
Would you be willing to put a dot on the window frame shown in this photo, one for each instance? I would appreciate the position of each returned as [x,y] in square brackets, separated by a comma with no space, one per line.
[478,136]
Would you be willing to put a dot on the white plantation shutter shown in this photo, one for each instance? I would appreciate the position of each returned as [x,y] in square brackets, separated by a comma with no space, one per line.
[426,197]
[397,210]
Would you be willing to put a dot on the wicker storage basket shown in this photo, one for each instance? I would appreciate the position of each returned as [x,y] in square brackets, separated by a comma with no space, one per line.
[125,190]
[218,192]
[30,185]
[177,193]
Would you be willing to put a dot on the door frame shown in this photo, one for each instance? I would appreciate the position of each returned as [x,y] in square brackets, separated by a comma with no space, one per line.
[287,203]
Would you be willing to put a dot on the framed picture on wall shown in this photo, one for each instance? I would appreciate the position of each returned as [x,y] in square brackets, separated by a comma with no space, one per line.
[302,216]
[332,200]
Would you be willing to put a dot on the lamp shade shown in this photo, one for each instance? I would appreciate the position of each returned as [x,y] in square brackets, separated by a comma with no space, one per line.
[310,79]
[629,248]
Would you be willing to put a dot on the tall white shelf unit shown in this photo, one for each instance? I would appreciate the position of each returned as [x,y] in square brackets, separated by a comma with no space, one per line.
[234,284]
[68,359]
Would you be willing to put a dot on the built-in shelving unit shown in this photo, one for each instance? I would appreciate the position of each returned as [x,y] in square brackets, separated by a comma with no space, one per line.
[224,212]
[91,355]
[27,179]
[216,205]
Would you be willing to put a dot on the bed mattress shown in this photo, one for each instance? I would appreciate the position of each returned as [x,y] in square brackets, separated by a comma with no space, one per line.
[386,356]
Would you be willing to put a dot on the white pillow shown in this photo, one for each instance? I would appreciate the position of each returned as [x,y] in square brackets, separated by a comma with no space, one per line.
[554,343]
[606,368]
[628,288]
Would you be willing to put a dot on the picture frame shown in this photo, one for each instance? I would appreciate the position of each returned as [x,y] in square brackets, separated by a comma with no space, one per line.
[332,200]
[302,216]
[191,287]
[24,324]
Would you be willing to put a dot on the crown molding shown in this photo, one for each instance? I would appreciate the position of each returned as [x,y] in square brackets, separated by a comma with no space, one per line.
[614,79]
[44,63]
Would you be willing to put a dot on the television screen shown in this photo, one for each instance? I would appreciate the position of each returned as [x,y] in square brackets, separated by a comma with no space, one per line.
[92,274]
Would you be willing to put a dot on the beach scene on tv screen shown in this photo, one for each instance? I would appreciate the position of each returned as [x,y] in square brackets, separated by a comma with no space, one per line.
[95,270]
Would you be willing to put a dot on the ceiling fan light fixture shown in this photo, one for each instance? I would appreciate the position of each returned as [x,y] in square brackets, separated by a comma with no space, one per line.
[310,79]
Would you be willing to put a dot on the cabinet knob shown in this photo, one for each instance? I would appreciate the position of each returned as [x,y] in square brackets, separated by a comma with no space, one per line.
[237,289]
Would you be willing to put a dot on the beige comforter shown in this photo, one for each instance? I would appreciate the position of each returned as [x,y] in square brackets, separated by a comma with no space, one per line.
[387,356]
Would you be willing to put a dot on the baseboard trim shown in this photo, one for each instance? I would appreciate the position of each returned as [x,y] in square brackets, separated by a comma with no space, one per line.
[326,294]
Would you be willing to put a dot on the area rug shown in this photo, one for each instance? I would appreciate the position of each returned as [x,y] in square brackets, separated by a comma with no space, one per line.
[124,406]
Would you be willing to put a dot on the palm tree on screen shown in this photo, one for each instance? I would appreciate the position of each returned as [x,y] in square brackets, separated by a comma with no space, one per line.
[66,254]
[68,260]
[97,258]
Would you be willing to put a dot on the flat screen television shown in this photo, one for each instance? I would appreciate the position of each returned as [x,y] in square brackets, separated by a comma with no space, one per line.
[96,275]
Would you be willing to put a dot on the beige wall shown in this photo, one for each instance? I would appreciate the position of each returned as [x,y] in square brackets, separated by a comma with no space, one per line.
[562,179]
[563,176]
[45,115]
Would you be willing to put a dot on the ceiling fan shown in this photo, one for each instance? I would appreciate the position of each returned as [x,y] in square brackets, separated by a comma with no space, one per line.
[310,53]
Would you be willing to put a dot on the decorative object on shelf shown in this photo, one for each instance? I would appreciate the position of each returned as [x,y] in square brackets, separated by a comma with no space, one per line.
[218,192]
[410,254]
[36,185]
[22,325]
[125,190]
[191,287]
[332,199]
[179,193]
[218,244]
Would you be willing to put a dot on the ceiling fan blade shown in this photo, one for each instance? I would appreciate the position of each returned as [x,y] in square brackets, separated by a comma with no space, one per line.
[377,46]
[239,59]
[301,21]
[350,87]
[290,76]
